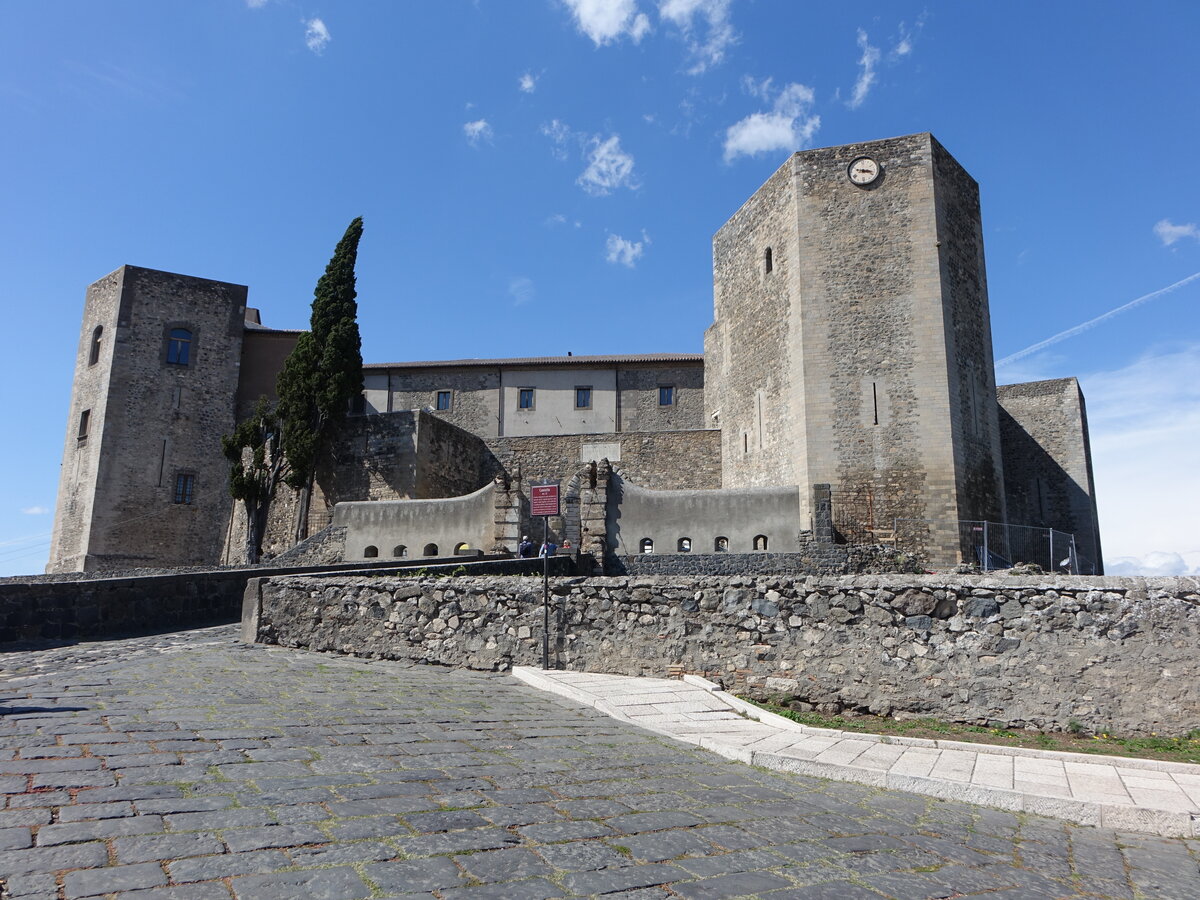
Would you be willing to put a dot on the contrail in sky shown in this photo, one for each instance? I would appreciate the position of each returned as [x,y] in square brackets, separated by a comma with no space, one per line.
[1090,323]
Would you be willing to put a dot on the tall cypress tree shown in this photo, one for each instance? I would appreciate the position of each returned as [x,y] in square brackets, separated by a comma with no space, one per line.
[323,373]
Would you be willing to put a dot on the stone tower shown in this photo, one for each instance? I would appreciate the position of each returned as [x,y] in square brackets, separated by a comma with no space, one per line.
[851,343]
[143,480]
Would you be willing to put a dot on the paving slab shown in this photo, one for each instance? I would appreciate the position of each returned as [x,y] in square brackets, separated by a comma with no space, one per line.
[492,789]
[1153,796]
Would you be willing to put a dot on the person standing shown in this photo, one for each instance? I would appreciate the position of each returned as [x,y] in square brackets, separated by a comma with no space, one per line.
[525,548]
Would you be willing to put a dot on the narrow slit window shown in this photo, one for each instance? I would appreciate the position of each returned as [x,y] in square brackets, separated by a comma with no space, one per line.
[179,347]
[94,352]
[85,419]
[768,261]
[875,402]
[185,483]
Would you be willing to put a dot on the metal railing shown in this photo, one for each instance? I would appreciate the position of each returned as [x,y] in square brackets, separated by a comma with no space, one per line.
[996,545]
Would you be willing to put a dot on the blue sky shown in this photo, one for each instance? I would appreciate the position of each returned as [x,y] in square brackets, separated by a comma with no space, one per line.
[545,176]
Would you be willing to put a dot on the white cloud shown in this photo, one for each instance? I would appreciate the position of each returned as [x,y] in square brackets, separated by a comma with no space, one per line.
[527,83]
[788,126]
[477,131]
[619,250]
[866,74]
[907,40]
[605,21]
[718,32]
[609,167]
[35,511]
[256,4]
[1155,563]
[316,35]
[521,290]
[1169,233]
[1144,420]
[559,219]
[560,134]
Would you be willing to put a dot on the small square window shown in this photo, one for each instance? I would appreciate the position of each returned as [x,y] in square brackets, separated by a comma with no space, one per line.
[583,398]
[184,483]
[179,346]
[443,400]
[525,398]
[666,395]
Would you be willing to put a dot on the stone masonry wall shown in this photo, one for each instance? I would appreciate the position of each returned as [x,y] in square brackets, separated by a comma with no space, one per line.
[1113,654]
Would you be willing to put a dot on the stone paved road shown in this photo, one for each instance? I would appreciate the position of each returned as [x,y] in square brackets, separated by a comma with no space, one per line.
[190,767]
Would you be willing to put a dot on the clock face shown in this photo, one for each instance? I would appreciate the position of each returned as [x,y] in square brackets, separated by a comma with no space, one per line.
[863,170]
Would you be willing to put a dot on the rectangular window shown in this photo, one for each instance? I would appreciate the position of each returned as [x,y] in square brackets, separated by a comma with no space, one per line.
[525,398]
[583,397]
[666,395]
[179,346]
[443,400]
[184,483]
[84,419]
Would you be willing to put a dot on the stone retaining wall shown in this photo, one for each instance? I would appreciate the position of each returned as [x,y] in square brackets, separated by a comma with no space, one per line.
[814,559]
[1113,654]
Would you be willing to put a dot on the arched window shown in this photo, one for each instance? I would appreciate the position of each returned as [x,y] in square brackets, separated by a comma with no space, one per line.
[371,552]
[431,550]
[179,346]
[760,542]
[94,353]
[768,262]
[684,545]
[646,546]
[461,548]
[721,545]
[400,550]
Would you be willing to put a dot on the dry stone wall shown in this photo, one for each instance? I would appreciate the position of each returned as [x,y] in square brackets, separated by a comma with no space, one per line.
[1113,654]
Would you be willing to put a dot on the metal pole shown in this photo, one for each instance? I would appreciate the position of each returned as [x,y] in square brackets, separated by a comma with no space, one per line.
[986,550]
[545,592]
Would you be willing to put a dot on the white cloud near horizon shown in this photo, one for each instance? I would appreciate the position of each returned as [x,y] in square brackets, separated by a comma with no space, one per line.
[521,289]
[606,21]
[609,167]
[866,76]
[256,4]
[35,510]
[1144,421]
[1168,232]
[718,33]
[316,35]
[477,131]
[621,251]
[787,127]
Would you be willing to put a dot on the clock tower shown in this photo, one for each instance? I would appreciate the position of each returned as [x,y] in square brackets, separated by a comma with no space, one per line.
[851,342]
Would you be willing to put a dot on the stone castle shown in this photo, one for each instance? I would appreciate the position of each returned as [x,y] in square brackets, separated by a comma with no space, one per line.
[846,392]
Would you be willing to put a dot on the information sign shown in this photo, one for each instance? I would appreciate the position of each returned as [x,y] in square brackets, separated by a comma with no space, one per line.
[543,500]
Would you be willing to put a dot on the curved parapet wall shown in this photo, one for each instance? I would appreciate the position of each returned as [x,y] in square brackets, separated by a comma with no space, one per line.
[701,517]
[418,525]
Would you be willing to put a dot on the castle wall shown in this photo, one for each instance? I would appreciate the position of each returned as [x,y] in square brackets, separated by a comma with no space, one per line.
[263,353]
[554,409]
[737,515]
[159,420]
[421,527]
[1047,461]
[751,367]
[638,407]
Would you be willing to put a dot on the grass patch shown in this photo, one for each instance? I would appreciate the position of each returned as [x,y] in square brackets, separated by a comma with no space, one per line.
[1184,749]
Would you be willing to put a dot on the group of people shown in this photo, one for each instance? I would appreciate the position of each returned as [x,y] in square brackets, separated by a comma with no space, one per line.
[525,549]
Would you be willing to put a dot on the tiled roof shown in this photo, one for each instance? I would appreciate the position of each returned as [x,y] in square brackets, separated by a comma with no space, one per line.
[544,361]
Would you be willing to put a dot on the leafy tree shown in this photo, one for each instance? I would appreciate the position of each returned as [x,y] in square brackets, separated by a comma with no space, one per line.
[323,373]
[256,466]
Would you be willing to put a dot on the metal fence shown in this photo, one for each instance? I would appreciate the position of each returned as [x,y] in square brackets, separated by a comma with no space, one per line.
[994,545]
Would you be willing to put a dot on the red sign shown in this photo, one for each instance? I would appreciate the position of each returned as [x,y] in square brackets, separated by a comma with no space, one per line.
[543,500]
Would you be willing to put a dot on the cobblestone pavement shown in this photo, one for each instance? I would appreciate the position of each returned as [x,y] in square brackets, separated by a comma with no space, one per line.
[190,767]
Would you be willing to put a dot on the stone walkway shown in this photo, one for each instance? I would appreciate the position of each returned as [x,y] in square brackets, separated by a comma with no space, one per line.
[1116,792]
[193,767]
